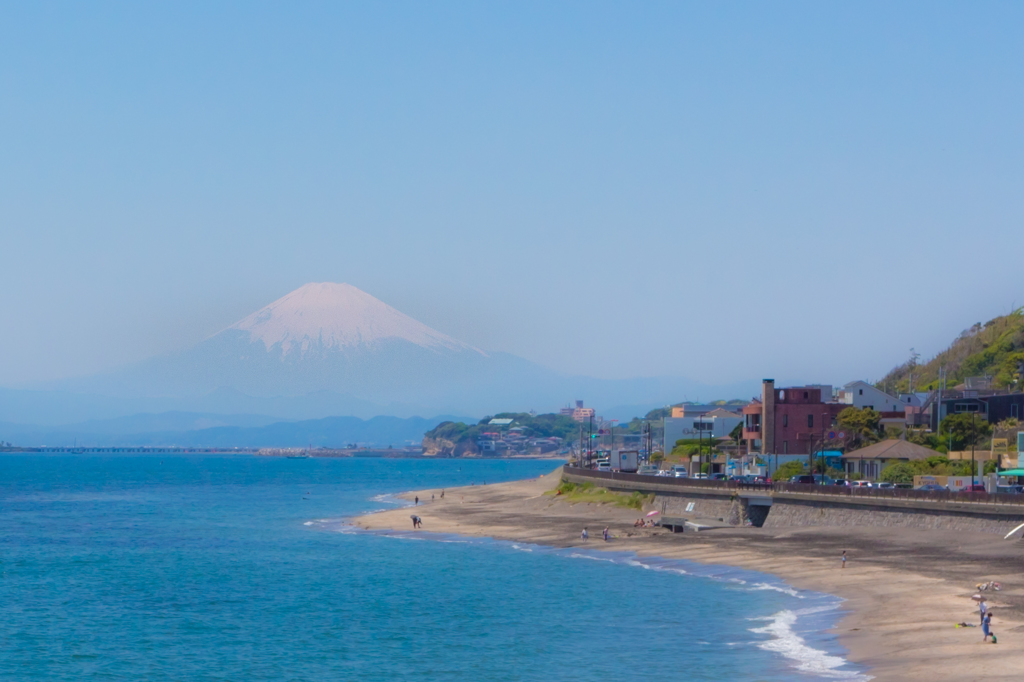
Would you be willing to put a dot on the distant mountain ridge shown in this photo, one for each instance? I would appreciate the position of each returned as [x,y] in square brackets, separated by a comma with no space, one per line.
[328,349]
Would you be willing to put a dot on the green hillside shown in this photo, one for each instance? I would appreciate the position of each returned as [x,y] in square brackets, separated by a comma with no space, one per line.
[535,426]
[994,349]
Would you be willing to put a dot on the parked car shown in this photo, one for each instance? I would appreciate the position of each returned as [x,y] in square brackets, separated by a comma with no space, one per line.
[679,471]
[700,476]
[933,487]
[885,485]
[818,479]
[976,488]
[861,484]
[842,481]
[905,486]
[718,477]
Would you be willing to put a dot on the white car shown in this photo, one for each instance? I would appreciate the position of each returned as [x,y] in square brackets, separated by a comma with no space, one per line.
[861,484]
[883,484]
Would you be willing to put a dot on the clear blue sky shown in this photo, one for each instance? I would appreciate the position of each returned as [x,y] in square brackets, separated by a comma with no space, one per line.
[723,191]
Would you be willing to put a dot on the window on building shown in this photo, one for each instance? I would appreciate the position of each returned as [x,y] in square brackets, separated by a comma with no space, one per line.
[860,392]
[785,447]
[785,420]
[806,395]
[810,420]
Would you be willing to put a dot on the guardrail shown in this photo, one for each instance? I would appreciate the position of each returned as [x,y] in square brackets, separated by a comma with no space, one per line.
[839,491]
[682,483]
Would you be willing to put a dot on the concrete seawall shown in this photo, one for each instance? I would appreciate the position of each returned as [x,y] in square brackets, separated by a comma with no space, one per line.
[775,509]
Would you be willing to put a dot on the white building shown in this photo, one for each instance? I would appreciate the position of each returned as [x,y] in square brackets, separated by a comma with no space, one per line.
[709,424]
[861,394]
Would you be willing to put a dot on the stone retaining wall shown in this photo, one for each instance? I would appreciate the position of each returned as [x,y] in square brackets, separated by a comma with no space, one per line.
[789,510]
[793,513]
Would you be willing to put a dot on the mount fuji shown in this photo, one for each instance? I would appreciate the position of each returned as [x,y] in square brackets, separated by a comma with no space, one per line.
[329,349]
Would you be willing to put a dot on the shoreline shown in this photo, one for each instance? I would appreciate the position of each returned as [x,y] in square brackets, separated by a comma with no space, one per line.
[903,589]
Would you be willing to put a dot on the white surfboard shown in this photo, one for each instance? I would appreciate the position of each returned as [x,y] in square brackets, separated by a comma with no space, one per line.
[1013,531]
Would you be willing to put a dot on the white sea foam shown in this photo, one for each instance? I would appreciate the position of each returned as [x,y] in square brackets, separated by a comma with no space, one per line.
[575,555]
[784,589]
[786,642]
[521,549]
[308,523]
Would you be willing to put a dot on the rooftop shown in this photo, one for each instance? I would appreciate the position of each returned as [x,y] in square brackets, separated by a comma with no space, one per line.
[893,449]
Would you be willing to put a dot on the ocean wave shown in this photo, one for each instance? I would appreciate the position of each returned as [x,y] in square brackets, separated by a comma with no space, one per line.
[784,589]
[786,642]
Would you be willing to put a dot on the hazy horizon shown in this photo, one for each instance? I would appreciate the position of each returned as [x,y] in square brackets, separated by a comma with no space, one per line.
[716,193]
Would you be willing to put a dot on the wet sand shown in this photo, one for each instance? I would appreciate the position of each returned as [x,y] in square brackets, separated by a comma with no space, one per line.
[905,588]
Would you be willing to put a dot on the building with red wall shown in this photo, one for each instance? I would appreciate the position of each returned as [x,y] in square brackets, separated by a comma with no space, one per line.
[789,421]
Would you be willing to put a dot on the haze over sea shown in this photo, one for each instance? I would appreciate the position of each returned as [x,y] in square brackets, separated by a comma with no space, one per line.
[242,568]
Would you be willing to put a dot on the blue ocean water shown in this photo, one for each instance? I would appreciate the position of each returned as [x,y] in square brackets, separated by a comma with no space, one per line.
[242,568]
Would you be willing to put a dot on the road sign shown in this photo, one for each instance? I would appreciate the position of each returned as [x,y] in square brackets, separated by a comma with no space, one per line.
[842,434]
[831,435]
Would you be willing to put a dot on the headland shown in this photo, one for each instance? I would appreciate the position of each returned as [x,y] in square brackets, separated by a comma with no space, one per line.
[906,589]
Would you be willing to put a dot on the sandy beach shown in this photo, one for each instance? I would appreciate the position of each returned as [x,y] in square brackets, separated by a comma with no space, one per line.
[905,589]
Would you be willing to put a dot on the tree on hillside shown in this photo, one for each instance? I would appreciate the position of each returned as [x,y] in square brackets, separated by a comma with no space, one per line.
[861,425]
[964,430]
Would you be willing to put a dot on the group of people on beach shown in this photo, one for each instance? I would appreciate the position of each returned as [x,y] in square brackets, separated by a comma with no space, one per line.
[643,523]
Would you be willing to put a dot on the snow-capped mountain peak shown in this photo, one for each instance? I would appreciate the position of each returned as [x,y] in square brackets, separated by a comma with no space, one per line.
[338,316]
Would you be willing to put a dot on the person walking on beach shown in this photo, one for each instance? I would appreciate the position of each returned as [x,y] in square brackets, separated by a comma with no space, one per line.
[986,627]
[982,609]
[417,499]
[584,535]
[606,533]
[844,559]
[442,493]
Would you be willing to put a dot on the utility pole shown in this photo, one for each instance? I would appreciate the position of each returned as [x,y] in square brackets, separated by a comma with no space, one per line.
[973,438]
[824,416]
[590,439]
[581,445]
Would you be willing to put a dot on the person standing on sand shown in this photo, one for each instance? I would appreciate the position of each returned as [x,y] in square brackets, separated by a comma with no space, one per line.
[982,609]
[844,559]
[442,493]
[584,535]
[606,533]
[417,499]
[986,627]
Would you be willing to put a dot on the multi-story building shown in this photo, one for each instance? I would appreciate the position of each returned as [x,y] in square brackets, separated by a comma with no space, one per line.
[789,421]
[579,413]
[699,421]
